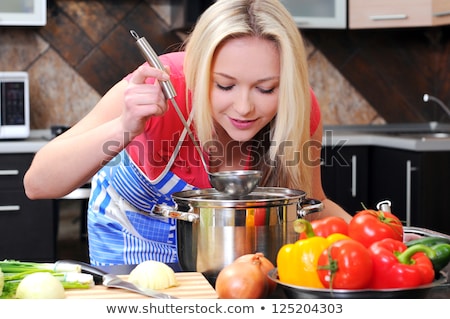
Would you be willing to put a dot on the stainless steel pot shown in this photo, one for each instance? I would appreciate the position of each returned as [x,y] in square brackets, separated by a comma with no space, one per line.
[213,229]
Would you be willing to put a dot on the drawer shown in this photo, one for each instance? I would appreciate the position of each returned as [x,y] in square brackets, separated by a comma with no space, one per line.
[399,13]
[27,228]
[12,170]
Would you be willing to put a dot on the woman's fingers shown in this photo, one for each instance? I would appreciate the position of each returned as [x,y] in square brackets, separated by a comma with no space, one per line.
[145,71]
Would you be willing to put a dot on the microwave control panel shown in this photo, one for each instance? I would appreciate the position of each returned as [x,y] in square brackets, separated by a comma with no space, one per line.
[12,103]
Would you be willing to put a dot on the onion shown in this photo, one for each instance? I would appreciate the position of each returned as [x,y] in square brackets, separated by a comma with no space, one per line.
[245,278]
[153,275]
[266,266]
[40,285]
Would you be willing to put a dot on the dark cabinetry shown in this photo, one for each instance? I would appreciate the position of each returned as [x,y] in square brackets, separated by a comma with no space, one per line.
[417,183]
[27,228]
[345,175]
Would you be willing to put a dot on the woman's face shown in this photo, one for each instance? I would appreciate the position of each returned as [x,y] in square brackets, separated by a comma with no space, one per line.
[244,94]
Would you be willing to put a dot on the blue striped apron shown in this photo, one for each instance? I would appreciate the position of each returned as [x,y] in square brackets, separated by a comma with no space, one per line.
[118,232]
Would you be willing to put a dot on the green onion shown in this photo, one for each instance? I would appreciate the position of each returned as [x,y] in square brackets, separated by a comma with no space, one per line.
[14,266]
[12,272]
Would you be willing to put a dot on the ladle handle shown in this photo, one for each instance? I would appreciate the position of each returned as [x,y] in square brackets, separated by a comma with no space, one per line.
[152,58]
[169,92]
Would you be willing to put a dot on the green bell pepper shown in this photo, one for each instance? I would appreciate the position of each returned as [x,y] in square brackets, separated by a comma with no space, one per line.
[440,245]
[442,257]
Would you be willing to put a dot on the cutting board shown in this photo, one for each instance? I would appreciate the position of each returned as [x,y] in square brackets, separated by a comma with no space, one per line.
[192,285]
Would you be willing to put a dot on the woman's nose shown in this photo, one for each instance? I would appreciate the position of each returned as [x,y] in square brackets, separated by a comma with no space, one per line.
[243,104]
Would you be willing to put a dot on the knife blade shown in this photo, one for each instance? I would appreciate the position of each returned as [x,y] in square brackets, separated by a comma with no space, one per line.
[113,281]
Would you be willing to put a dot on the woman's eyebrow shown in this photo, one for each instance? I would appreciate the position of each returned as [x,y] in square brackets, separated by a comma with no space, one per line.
[270,78]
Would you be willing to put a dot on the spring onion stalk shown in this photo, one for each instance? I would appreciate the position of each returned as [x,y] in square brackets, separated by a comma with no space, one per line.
[13,266]
[2,282]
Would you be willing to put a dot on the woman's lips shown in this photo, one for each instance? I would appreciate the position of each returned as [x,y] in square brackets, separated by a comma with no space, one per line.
[242,124]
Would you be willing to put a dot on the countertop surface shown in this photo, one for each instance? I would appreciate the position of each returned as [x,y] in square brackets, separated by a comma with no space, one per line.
[414,137]
[430,136]
[439,292]
[37,140]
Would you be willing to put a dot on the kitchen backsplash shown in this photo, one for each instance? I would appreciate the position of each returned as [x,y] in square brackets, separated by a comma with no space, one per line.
[86,47]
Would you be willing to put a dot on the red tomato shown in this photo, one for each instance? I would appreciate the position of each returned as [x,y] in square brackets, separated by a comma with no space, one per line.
[346,264]
[369,226]
[324,227]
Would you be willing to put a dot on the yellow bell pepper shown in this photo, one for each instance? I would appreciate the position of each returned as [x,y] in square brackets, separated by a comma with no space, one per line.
[297,262]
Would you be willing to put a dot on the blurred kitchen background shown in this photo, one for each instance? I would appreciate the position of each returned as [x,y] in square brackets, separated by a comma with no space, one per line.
[360,75]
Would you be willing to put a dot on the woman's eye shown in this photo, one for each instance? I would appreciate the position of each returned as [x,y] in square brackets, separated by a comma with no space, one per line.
[224,88]
[267,91]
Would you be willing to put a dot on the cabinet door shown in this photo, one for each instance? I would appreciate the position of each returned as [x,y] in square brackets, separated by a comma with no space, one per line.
[27,228]
[433,210]
[12,170]
[397,14]
[320,14]
[345,176]
[394,176]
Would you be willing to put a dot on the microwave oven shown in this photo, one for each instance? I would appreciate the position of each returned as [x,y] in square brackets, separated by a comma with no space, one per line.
[14,105]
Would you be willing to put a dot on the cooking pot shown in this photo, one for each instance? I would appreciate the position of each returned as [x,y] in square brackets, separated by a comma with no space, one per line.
[214,229]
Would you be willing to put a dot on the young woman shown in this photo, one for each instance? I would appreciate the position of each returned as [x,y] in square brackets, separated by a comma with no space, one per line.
[242,82]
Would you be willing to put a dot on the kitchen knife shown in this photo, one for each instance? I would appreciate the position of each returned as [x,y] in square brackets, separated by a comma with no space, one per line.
[113,281]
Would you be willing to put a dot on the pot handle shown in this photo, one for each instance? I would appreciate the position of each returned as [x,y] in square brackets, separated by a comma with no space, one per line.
[308,206]
[167,211]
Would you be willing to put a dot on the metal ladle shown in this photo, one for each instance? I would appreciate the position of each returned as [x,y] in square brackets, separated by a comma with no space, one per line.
[235,183]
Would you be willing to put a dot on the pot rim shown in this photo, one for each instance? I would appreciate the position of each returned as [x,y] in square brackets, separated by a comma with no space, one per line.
[261,195]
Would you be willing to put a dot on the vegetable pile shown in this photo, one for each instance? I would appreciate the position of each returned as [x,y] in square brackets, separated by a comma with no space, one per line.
[30,280]
[366,253]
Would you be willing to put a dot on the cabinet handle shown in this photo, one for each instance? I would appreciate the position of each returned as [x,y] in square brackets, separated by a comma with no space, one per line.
[388,17]
[409,170]
[9,172]
[354,166]
[441,14]
[9,208]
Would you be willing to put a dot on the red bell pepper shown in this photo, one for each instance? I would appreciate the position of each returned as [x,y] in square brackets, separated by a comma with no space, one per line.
[397,266]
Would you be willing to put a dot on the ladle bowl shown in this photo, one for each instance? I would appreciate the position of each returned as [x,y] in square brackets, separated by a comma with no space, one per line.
[236,183]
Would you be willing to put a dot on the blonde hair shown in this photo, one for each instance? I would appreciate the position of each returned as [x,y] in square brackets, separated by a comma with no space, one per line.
[267,19]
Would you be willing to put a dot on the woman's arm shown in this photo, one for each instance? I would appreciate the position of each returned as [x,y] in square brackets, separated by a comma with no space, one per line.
[330,207]
[71,159]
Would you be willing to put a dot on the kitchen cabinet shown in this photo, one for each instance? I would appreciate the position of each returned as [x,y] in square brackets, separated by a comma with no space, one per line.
[27,227]
[417,183]
[365,14]
[345,175]
[318,14]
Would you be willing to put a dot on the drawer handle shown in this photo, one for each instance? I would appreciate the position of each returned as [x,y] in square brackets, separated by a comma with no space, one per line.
[9,208]
[9,172]
[441,14]
[388,17]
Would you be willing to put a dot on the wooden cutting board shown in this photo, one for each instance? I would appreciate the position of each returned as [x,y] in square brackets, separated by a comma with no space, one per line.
[192,285]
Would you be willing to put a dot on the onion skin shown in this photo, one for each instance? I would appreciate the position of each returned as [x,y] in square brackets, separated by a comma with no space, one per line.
[246,278]
[266,266]
[241,281]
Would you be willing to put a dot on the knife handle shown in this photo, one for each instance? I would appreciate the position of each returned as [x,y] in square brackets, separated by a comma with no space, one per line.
[87,268]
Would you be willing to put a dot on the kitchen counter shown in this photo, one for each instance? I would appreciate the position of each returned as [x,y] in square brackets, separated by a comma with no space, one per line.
[37,139]
[414,137]
[440,292]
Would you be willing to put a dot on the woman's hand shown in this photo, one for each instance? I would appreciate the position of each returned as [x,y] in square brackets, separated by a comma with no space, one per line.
[143,100]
